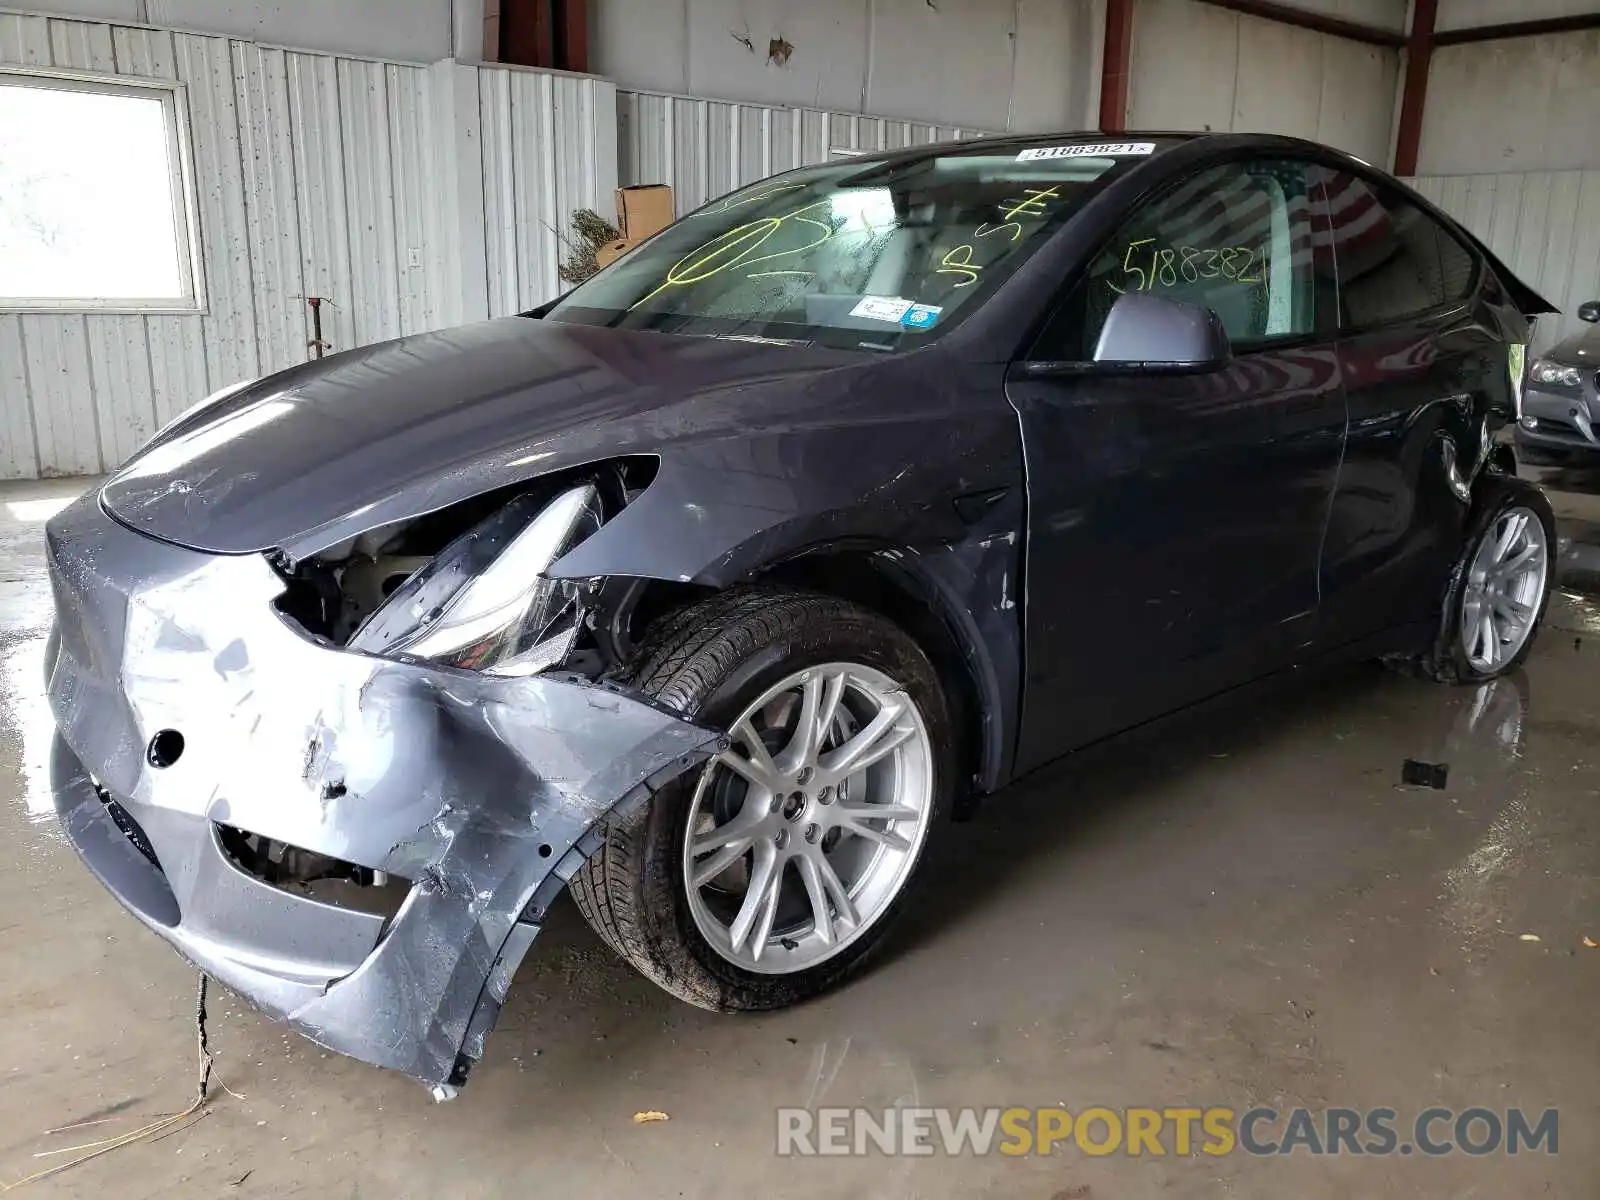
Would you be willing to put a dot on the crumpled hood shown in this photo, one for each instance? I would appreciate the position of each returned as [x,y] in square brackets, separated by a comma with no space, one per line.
[327,450]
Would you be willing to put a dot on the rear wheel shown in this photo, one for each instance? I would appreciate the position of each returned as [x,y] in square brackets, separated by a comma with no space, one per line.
[1500,590]
[774,872]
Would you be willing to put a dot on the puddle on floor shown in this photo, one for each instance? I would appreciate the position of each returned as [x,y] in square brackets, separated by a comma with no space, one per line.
[25,716]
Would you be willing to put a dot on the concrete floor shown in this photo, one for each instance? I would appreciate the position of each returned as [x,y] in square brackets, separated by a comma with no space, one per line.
[1249,910]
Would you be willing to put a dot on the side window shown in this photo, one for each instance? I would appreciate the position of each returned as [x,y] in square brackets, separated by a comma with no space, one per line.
[1236,239]
[1394,260]
[1458,266]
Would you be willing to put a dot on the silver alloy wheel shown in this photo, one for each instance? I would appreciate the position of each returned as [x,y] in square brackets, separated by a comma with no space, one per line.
[1505,589]
[803,832]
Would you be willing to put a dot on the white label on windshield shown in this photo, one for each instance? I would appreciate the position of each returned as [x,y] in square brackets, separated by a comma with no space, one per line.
[881,308]
[1096,150]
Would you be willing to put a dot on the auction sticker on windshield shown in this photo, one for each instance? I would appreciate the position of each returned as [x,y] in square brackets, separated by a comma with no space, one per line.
[1095,150]
[882,308]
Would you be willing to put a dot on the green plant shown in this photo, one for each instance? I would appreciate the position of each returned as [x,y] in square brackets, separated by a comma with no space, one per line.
[590,231]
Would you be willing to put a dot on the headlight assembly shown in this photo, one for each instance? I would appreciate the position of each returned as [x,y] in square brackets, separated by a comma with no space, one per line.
[483,602]
[1549,372]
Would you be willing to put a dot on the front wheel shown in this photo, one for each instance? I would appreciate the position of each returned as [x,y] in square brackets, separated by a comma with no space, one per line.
[775,872]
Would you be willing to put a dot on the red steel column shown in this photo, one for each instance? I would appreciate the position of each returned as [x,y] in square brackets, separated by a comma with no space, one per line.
[572,34]
[491,31]
[1419,53]
[1114,68]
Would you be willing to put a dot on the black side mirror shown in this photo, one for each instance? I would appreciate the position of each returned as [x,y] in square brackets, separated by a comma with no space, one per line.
[1590,312]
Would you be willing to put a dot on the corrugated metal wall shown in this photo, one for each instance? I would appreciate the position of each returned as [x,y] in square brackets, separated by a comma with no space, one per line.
[1545,226]
[316,175]
[707,148]
[549,148]
[308,183]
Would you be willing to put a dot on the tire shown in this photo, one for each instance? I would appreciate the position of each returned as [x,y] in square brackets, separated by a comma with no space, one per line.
[1448,660]
[711,663]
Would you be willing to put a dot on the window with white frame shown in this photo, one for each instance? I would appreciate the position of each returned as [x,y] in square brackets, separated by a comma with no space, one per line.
[95,196]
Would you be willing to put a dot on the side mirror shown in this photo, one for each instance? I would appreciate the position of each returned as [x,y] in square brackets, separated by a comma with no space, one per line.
[1156,333]
[1150,335]
[1590,312]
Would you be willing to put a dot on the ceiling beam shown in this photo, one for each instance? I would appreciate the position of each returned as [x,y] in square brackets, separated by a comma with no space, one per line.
[1356,31]
[1513,29]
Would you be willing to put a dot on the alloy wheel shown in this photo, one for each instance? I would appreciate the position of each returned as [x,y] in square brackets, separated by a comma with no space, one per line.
[1505,589]
[802,833]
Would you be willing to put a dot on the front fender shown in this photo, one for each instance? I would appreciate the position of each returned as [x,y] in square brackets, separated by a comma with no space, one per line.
[888,470]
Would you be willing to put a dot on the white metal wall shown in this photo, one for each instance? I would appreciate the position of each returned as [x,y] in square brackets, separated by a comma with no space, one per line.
[1545,226]
[1197,66]
[1000,64]
[316,175]
[416,30]
[549,148]
[706,148]
[1516,104]
[310,182]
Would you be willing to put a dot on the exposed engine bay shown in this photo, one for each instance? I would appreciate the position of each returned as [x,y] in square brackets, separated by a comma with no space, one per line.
[466,586]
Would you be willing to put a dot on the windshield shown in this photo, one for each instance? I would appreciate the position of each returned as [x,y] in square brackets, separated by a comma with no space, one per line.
[872,256]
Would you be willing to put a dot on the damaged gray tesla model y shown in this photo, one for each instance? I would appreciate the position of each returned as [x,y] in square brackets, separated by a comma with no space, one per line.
[710,589]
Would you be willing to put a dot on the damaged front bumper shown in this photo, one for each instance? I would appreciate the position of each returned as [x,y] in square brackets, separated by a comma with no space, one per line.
[189,714]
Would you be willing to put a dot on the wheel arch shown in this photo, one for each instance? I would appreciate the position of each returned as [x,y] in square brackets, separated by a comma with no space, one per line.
[977,661]
[937,599]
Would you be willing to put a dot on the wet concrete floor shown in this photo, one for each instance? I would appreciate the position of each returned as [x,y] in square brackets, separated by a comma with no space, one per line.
[1250,910]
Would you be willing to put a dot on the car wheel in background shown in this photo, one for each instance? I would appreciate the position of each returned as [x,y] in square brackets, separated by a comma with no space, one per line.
[775,872]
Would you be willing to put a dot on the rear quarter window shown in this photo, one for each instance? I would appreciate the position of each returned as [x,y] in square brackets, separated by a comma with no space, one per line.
[1394,260]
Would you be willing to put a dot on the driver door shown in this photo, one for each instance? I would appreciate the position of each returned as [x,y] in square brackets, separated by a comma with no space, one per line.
[1176,521]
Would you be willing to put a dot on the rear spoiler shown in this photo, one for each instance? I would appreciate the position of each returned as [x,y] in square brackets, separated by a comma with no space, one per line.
[1529,302]
[1524,297]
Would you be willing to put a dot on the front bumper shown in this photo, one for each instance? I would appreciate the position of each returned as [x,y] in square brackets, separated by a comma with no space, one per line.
[484,794]
[1560,427]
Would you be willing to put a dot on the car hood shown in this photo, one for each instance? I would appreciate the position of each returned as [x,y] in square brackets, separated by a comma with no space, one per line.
[306,458]
[1579,350]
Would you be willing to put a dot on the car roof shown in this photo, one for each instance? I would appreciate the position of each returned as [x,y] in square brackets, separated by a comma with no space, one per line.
[1163,139]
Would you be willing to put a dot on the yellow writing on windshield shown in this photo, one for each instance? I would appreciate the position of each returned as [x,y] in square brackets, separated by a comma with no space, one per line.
[959,262]
[1033,206]
[733,202]
[737,247]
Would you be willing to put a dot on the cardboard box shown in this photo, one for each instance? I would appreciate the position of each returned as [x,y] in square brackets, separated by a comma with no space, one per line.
[605,255]
[644,210]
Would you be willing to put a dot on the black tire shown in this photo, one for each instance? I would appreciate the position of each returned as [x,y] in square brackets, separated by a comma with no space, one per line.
[710,663]
[1446,660]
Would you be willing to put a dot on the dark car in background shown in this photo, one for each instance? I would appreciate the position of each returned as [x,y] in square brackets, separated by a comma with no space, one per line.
[714,586]
[1560,423]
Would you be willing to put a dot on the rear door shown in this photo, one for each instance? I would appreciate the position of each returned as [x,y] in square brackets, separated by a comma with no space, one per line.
[1422,366]
[1175,522]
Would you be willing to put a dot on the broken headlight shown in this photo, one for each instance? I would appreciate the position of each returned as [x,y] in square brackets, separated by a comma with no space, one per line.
[484,602]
